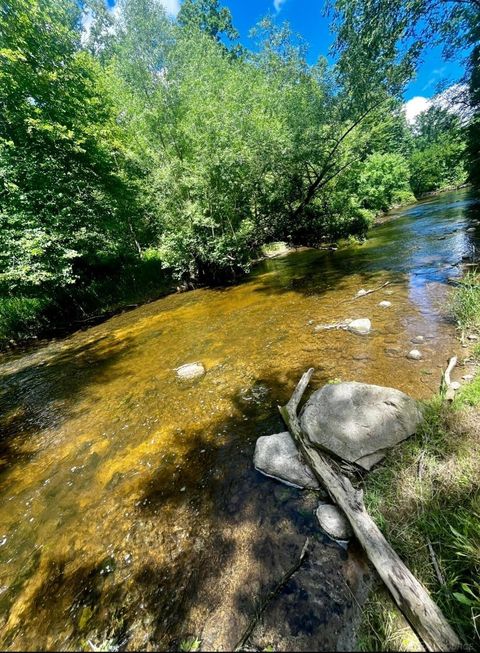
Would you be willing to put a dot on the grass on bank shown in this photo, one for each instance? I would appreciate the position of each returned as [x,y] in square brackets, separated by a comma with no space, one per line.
[426,500]
[466,303]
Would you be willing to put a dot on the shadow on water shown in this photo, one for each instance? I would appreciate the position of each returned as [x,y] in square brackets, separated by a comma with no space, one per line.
[226,539]
[44,393]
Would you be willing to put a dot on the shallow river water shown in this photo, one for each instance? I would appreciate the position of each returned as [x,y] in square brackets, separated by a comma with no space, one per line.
[130,513]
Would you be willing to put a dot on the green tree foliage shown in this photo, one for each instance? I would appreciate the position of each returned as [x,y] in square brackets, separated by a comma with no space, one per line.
[384,182]
[241,150]
[209,17]
[395,33]
[146,143]
[474,127]
[438,159]
[63,200]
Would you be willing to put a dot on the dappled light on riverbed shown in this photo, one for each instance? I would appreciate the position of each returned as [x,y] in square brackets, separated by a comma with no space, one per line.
[130,513]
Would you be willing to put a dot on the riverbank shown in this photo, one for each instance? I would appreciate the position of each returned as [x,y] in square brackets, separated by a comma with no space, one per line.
[426,500]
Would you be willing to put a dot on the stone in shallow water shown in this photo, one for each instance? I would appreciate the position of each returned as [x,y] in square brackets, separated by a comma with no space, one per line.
[277,456]
[385,304]
[361,293]
[190,371]
[418,340]
[333,522]
[361,327]
[414,355]
[355,420]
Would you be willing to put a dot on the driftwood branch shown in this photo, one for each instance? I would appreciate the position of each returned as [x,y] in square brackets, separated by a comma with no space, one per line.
[335,325]
[446,390]
[270,596]
[409,594]
[367,292]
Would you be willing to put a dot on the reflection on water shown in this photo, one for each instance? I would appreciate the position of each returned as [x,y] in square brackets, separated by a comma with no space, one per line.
[130,514]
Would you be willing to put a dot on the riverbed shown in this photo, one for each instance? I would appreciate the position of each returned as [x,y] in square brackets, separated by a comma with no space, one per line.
[130,514]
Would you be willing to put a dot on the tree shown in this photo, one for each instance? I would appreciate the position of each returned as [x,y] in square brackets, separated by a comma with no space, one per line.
[209,17]
[384,182]
[395,33]
[438,159]
[64,204]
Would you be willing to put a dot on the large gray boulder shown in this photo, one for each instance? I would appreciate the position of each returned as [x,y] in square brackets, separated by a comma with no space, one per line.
[277,456]
[358,422]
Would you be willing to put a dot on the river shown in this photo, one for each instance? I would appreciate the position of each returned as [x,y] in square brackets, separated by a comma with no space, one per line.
[130,514]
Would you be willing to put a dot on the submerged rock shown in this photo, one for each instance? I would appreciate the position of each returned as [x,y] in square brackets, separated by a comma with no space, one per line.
[277,456]
[415,355]
[361,293]
[418,340]
[385,304]
[361,327]
[356,420]
[190,371]
[333,522]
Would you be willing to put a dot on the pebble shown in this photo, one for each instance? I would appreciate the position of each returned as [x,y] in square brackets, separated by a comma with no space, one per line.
[385,304]
[467,377]
[414,355]
[418,340]
[361,293]
[190,371]
[472,336]
[455,385]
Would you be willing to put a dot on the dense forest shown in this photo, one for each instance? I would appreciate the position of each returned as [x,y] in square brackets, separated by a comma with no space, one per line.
[139,151]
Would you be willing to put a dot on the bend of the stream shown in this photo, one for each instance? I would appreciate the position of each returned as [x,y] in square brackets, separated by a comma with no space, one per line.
[130,513]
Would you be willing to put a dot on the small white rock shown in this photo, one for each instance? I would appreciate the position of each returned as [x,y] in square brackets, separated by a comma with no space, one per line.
[467,377]
[472,336]
[360,327]
[361,292]
[418,340]
[190,371]
[385,304]
[455,385]
[414,355]
[471,230]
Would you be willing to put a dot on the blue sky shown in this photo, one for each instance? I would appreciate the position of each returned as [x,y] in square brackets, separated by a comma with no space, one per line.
[306,17]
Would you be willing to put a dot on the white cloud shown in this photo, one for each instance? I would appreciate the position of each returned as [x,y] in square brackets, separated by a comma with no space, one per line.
[277,4]
[453,99]
[415,106]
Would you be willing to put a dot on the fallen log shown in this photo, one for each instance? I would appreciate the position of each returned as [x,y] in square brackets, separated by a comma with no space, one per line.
[409,594]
